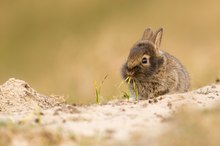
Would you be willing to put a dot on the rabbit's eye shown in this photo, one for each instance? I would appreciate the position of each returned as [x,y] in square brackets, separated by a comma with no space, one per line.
[144,60]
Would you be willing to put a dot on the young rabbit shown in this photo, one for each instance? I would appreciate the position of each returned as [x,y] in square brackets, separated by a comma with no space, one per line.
[153,71]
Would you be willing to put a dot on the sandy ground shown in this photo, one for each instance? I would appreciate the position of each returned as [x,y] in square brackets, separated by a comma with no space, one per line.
[118,122]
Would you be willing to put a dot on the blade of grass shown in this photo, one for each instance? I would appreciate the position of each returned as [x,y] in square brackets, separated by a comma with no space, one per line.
[97,91]
[106,76]
[122,82]
[135,90]
[129,82]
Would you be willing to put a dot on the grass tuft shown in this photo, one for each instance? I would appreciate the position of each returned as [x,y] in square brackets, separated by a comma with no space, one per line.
[98,87]
[127,94]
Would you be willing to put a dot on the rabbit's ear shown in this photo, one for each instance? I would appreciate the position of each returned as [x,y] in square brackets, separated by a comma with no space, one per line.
[158,37]
[148,33]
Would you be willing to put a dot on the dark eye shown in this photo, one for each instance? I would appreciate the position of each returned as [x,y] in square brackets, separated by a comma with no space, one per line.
[144,60]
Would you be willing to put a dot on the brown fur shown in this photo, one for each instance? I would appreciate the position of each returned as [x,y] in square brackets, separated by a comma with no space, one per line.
[161,74]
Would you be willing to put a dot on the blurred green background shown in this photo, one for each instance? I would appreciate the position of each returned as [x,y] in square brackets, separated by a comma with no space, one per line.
[61,47]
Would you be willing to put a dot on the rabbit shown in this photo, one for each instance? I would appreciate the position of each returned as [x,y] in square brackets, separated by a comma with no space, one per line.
[154,72]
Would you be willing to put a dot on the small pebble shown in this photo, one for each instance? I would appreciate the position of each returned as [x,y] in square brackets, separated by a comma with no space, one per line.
[123,110]
[155,100]
[161,97]
[37,120]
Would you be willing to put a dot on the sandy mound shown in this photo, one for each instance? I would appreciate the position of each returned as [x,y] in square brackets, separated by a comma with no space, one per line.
[118,121]
[18,96]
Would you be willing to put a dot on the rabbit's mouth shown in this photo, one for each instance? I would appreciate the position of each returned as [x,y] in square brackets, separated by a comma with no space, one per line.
[130,73]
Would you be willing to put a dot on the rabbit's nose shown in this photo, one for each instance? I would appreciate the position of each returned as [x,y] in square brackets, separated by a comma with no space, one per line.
[129,73]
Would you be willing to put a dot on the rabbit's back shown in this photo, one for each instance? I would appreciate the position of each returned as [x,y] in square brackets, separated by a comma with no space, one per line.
[176,71]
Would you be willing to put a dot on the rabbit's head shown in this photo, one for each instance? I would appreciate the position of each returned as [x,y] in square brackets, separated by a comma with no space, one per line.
[144,58]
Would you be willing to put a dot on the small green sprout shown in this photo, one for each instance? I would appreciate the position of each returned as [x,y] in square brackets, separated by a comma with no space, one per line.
[98,89]
[38,113]
[126,95]
[35,115]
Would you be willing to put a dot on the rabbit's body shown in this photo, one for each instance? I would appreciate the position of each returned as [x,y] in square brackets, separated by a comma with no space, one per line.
[153,71]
